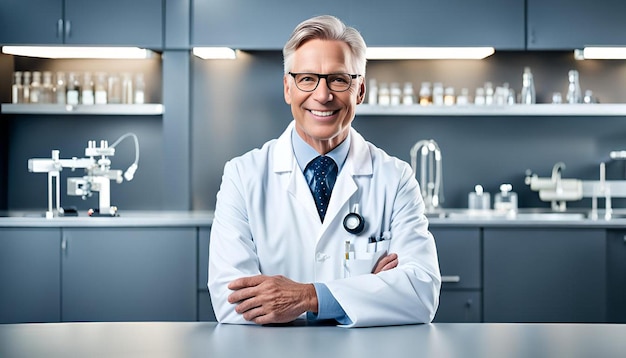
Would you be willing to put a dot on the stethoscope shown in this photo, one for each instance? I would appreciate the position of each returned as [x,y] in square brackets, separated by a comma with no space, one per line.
[353,222]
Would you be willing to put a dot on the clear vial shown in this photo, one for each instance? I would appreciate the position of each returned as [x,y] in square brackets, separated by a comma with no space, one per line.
[489,94]
[425,95]
[26,86]
[574,94]
[408,95]
[438,94]
[17,90]
[61,88]
[384,95]
[87,96]
[463,98]
[127,88]
[448,96]
[140,89]
[35,88]
[479,98]
[372,97]
[47,88]
[100,88]
[73,89]
[528,87]
[114,93]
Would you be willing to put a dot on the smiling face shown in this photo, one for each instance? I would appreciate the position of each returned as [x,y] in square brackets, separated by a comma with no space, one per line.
[323,117]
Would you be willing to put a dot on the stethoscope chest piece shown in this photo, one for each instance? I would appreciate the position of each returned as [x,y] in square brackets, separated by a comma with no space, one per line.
[353,222]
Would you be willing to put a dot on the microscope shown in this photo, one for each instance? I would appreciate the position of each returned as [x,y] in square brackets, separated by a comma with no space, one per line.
[99,175]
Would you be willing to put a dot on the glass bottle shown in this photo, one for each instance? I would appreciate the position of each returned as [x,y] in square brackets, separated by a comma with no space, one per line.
[396,94]
[372,97]
[35,88]
[127,88]
[425,95]
[408,95]
[17,90]
[383,95]
[140,89]
[100,88]
[528,87]
[448,96]
[114,93]
[87,96]
[26,87]
[47,89]
[61,88]
[479,98]
[73,89]
[463,98]
[438,94]
[574,94]
[489,94]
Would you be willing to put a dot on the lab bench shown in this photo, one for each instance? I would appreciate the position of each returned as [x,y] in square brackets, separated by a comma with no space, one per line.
[152,266]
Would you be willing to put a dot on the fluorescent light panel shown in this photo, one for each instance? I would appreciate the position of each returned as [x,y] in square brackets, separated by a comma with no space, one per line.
[215,53]
[601,53]
[78,52]
[428,53]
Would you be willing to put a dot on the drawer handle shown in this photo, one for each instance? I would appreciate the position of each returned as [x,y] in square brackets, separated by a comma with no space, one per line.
[451,279]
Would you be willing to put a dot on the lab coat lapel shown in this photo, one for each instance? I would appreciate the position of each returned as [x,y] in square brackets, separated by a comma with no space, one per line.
[358,163]
[294,182]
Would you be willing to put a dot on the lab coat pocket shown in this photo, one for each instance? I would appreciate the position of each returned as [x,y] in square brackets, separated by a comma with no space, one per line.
[363,263]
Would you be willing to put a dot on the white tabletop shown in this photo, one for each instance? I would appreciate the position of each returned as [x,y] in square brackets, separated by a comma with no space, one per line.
[207,339]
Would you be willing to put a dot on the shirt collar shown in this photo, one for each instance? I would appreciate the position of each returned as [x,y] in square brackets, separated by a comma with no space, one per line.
[305,153]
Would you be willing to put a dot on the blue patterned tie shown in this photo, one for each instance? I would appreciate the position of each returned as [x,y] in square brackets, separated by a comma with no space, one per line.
[324,176]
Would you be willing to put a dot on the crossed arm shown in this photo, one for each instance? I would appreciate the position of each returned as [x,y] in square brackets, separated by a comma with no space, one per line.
[276,299]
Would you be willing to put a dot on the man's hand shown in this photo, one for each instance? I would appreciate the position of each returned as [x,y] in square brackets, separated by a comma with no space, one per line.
[386,262]
[271,299]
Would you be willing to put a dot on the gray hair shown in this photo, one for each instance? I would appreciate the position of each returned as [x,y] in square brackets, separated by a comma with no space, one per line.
[326,27]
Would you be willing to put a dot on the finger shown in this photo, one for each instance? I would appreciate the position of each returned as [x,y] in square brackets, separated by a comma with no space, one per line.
[244,282]
[390,265]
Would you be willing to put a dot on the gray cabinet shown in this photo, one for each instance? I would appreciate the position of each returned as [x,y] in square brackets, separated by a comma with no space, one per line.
[129,274]
[459,252]
[237,23]
[564,24]
[252,24]
[205,308]
[30,279]
[616,276]
[497,23]
[82,22]
[544,275]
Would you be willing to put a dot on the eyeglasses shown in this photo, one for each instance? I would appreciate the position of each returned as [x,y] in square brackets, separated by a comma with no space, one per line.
[337,82]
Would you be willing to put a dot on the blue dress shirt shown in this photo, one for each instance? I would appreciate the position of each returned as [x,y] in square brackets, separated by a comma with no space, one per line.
[328,307]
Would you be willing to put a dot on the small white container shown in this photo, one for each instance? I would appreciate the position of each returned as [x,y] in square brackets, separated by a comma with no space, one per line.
[478,199]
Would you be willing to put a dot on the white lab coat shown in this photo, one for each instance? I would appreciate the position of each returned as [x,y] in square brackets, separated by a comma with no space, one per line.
[266,222]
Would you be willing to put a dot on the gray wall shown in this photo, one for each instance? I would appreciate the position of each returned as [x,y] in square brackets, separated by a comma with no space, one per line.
[238,105]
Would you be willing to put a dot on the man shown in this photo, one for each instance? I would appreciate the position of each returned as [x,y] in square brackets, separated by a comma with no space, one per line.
[278,251]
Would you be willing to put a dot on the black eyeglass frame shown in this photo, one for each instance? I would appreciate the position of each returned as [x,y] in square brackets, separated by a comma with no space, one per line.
[319,78]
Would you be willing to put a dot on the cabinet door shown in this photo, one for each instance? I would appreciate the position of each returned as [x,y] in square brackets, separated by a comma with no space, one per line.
[129,274]
[565,25]
[115,22]
[205,307]
[544,275]
[616,276]
[31,22]
[30,280]
[253,24]
[459,307]
[458,250]
[497,23]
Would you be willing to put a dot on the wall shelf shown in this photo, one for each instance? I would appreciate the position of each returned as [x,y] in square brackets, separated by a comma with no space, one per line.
[97,109]
[617,109]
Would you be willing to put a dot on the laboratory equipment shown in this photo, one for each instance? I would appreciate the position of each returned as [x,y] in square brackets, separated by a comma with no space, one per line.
[430,172]
[555,189]
[528,95]
[99,174]
[574,94]
[479,199]
[506,201]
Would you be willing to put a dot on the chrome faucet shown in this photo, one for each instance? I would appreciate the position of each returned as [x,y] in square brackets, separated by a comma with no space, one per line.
[429,172]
